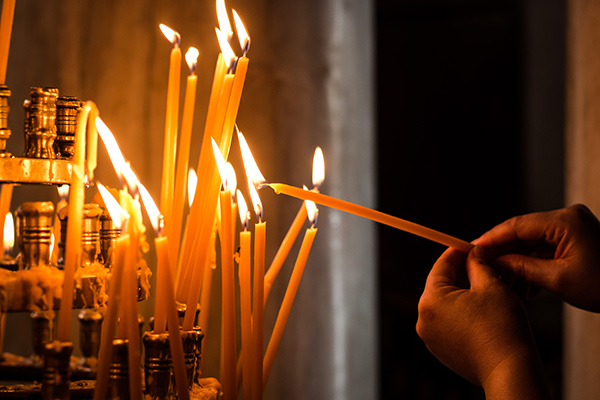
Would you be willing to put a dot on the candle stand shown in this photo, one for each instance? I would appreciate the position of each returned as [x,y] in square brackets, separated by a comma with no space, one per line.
[30,282]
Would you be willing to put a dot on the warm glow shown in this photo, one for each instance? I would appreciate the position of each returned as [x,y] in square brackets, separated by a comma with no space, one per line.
[154,215]
[122,167]
[242,34]
[9,233]
[117,214]
[192,183]
[171,35]
[221,163]
[231,183]
[223,18]
[63,192]
[191,58]
[52,243]
[228,53]
[318,172]
[258,209]
[252,171]
[243,209]
[311,210]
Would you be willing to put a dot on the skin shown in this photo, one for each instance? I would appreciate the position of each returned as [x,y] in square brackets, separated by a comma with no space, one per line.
[557,250]
[480,329]
[473,323]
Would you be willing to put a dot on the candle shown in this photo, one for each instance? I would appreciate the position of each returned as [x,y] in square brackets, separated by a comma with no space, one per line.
[183,156]
[238,86]
[63,192]
[167,294]
[318,176]
[171,122]
[6,22]
[175,342]
[75,211]
[206,291]
[289,296]
[119,217]
[374,215]
[202,212]
[245,273]
[5,199]
[255,178]
[228,342]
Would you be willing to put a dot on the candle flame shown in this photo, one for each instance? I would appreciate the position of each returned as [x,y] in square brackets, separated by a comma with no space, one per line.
[63,192]
[223,19]
[117,214]
[172,36]
[228,53]
[191,58]
[9,233]
[311,210]
[192,183]
[52,243]
[231,182]
[243,209]
[242,33]
[122,167]
[258,209]
[252,171]
[154,215]
[318,172]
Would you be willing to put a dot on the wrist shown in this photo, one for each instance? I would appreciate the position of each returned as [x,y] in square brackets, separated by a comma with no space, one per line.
[519,376]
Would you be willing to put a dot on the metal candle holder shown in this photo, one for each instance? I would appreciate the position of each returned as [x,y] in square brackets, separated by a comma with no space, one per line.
[157,365]
[57,371]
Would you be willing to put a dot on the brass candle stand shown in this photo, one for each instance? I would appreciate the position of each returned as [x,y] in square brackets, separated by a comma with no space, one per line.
[33,283]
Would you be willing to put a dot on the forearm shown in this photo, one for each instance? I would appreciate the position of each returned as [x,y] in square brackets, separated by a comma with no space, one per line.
[520,376]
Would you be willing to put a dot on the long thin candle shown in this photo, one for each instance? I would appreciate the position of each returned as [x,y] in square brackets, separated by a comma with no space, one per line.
[373,215]
[171,125]
[6,23]
[228,296]
[76,200]
[183,157]
[162,246]
[206,290]
[133,330]
[260,232]
[246,311]
[283,251]
[287,303]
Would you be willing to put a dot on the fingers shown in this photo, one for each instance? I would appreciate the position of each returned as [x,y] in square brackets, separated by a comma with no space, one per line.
[443,272]
[538,271]
[479,272]
[548,227]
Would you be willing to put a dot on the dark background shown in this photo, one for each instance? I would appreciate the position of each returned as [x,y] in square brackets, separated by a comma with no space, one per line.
[471,116]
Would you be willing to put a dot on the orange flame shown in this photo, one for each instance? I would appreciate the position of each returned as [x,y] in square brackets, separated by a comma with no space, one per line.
[122,167]
[252,171]
[228,53]
[154,215]
[243,209]
[318,172]
[191,58]
[192,183]
[223,18]
[311,210]
[242,33]
[63,191]
[171,35]
[117,214]
[9,233]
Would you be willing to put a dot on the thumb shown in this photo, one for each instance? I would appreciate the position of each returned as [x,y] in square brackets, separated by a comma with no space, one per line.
[479,272]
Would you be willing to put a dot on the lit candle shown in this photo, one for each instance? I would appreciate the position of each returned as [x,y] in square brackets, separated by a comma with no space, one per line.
[119,217]
[183,156]
[63,193]
[290,294]
[171,122]
[167,295]
[5,199]
[228,342]
[238,85]
[318,176]
[202,212]
[76,199]
[8,12]
[9,235]
[374,215]
[245,276]
[256,178]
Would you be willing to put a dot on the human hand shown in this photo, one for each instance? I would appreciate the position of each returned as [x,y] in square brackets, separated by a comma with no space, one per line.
[481,332]
[570,266]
